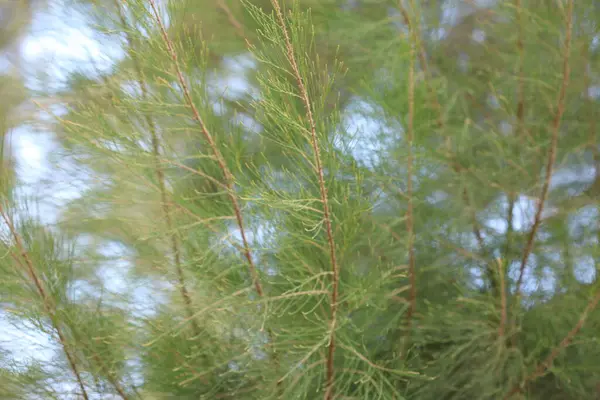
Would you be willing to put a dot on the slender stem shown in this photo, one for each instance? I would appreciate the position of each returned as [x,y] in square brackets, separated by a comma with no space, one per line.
[560,108]
[49,305]
[509,225]
[503,305]
[237,26]
[329,388]
[414,29]
[160,176]
[521,85]
[229,179]
[409,184]
[520,130]
[591,110]
[440,124]
[111,378]
[520,117]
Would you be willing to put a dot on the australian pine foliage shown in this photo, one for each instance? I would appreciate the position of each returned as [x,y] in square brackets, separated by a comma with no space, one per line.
[317,200]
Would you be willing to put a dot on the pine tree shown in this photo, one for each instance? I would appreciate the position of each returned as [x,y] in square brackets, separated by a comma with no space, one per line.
[396,200]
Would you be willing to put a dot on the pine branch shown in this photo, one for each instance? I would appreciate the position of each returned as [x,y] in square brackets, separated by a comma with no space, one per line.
[547,363]
[110,375]
[414,28]
[520,117]
[409,184]
[229,179]
[560,108]
[237,26]
[520,68]
[509,225]
[160,176]
[456,167]
[111,378]
[48,304]
[329,388]
[593,138]
[503,305]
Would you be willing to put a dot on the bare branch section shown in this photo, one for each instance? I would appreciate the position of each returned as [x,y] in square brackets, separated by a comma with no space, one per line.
[329,390]
[409,166]
[547,363]
[560,109]
[160,176]
[49,306]
[229,179]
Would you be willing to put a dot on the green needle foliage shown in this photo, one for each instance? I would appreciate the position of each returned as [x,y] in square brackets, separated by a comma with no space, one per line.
[320,199]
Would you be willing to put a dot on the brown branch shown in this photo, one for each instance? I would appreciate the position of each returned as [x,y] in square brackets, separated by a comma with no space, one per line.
[509,224]
[229,179]
[329,389]
[49,305]
[409,184]
[520,117]
[111,378]
[503,306]
[160,176]
[507,256]
[560,108]
[521,85]
[110,375]
[547,363]
[520,130]
[440,124]
[237,26]
[414,29]
[591,110]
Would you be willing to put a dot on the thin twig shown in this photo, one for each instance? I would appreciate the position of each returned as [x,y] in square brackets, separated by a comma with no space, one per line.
[520,117]
[547,363]
[111,378]
[591,110]
[509,223]
[414,28]
[329,390]
[503,306]
[195,171]
[49,305]
[160,176]
[409,184]
[237,26]
[520,129]
[110,375]
[440,124]
[229,179]
[560,108]
[521,78]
